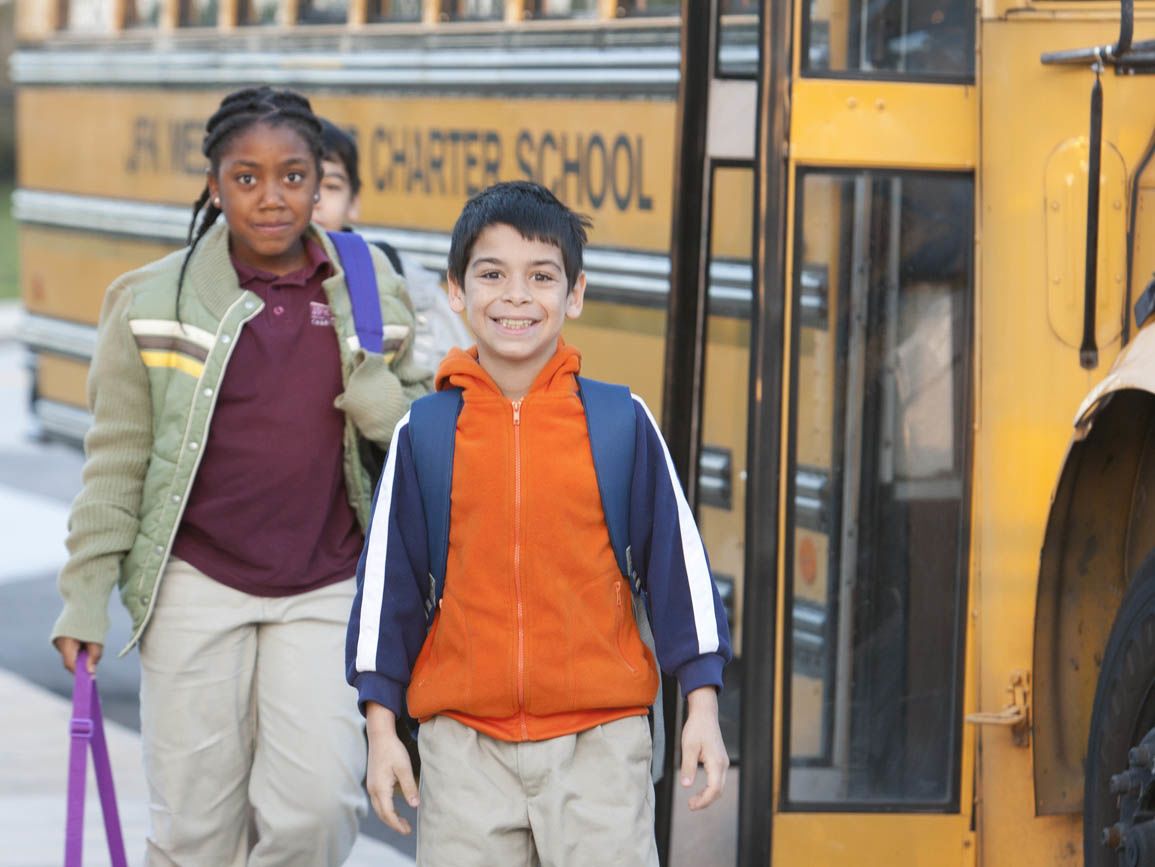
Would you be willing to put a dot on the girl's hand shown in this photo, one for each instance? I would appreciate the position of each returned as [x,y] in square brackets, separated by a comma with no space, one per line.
[389,765]
[70,648]
[702,744]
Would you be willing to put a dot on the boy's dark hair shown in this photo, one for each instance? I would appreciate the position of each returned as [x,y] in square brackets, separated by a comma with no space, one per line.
[340,147]
[530,208]
[239,111]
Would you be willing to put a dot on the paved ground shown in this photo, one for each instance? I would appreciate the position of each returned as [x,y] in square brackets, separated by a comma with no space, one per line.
[37,482]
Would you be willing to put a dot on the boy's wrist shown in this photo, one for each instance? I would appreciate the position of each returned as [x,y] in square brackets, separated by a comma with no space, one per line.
[379,719]
[704,699]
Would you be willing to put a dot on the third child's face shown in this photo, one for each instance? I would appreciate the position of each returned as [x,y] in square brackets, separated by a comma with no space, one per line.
[266,182]
[515,298]
[337,207]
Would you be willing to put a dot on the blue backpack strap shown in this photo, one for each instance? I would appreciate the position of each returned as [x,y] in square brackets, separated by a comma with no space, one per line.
[432,436]
[611,421]
[361,280]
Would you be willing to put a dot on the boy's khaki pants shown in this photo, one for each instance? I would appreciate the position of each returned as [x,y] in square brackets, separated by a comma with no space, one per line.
[581,799]
[252,741]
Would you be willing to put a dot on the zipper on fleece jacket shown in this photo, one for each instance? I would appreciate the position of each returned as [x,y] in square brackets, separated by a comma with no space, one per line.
[517,566]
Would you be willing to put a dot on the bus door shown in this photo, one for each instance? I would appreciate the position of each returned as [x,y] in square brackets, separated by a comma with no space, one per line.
[872,759]
[708,384]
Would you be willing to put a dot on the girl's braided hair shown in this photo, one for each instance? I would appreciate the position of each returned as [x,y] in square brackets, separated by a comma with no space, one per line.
[238,112]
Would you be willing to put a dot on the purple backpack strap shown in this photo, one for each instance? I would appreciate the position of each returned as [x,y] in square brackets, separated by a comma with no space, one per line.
[361,280]
[88,728]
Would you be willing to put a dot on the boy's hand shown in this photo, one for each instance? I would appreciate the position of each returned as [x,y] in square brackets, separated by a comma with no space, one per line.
[389,765]
[70,648]
[702,745]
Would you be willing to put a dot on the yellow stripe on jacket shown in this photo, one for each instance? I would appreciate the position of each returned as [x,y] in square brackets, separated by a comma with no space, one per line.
[160,358]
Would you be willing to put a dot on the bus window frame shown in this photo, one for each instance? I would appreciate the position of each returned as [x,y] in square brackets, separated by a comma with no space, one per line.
[633,14]
[749,314]
[307,22]
[802,51]
[378,19]
[183,24]
[757,19]
[531,13]
[445,17]
[953,804]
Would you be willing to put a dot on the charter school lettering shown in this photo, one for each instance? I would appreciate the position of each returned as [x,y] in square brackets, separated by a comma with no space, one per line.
[420,157]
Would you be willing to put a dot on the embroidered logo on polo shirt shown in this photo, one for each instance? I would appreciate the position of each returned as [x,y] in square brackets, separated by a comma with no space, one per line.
[320,314]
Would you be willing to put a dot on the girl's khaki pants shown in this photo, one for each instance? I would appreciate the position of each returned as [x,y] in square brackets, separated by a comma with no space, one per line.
[252,741]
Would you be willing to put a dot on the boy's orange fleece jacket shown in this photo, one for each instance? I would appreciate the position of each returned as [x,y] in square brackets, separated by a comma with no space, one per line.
[534,636]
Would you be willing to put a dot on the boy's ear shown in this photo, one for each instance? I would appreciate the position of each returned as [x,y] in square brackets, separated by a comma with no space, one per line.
[576,297]
[354,212]
[456,295]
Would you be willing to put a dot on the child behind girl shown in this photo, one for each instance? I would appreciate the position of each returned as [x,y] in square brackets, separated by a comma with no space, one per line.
[438,329]
[225,495]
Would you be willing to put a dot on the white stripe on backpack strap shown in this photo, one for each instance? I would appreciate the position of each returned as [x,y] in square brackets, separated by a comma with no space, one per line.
[693,554]
[373,584]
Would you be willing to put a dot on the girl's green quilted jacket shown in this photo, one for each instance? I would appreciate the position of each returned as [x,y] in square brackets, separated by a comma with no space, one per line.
[152,389]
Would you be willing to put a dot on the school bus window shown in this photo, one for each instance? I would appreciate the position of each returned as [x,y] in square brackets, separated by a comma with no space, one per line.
[472,10]
[629,8]
[394,10]
[323,11]
[878,512]
[738,38]
[258,12]
[142,13]
[90,16]
[562,9]
[198,13]
[916,38]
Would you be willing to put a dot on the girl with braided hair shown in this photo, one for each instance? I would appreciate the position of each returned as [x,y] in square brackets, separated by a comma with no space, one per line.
[225,495]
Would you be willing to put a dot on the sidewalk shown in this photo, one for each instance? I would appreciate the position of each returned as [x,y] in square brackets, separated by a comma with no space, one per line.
[34,746]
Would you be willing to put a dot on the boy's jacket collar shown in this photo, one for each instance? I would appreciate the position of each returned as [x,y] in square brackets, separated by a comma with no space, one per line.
[461,369]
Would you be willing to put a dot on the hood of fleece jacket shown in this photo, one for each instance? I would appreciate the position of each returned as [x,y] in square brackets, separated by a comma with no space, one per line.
[461,369]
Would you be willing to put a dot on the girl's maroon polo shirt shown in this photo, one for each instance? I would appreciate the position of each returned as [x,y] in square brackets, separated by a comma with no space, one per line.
[268,512]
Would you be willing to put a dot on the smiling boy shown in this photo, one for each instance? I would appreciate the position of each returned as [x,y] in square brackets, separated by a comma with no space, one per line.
[533,682]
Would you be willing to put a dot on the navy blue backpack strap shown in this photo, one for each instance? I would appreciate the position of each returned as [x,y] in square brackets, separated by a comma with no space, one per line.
[361,279]
[432,436]
[612,423]
[611,420]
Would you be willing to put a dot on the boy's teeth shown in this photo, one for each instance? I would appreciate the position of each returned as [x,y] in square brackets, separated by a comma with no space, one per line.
[515,323]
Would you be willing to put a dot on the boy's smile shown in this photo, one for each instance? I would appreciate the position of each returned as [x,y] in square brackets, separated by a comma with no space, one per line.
[265,183]
[515,299]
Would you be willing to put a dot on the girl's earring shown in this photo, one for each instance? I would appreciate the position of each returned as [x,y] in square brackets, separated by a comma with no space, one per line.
[316,197]
[217,202]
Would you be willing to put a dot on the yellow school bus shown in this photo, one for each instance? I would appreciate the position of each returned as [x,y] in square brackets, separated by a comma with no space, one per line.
[883,268]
